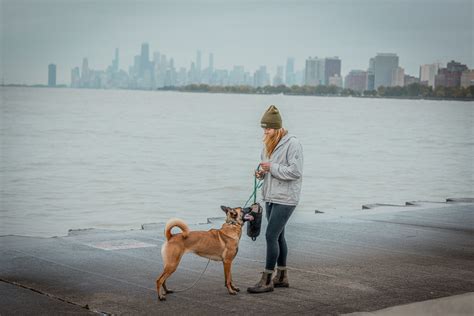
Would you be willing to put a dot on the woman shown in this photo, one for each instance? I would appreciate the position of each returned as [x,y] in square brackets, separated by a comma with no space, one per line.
[282,171]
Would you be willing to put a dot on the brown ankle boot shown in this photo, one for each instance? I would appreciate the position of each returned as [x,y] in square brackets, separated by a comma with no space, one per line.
[281,278]
[264,285]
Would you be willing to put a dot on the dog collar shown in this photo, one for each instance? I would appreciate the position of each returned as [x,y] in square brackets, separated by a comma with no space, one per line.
[233,223]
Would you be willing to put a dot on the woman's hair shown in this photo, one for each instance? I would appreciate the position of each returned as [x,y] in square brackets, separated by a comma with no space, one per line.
[272,141]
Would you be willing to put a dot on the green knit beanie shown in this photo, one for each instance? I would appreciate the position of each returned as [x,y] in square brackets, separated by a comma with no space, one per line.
[271,118]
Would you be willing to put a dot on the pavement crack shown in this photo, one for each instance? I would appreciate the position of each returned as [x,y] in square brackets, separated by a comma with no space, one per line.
[54,297]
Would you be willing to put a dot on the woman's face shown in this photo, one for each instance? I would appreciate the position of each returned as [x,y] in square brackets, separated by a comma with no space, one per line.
[269,132]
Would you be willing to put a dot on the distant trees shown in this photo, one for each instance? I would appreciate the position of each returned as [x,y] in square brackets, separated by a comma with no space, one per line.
[414,90]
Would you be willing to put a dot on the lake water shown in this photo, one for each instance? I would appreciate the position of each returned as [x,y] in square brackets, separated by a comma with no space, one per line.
[118,159]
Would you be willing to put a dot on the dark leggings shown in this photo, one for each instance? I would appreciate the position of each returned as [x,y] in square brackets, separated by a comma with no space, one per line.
[277,217]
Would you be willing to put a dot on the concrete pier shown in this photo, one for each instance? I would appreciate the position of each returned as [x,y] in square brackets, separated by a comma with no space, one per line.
[358,262]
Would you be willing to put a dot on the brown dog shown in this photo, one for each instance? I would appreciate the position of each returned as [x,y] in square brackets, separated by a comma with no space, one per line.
[216,244]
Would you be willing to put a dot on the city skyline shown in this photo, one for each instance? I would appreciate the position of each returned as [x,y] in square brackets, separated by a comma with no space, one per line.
[154,70]
[248,33]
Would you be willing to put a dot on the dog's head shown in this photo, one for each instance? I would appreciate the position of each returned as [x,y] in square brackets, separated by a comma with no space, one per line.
[237,215]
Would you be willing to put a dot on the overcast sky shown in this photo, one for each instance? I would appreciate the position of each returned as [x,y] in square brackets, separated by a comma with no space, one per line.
[249,33]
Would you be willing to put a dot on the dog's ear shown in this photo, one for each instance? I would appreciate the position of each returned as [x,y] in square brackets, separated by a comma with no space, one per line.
[225,208]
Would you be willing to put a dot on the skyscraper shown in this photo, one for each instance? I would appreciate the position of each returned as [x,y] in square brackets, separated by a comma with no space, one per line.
[290,72]
[198,66]
[261,77]
[384,66]
[75,78]
[314,71]
[236,76]
[278,79]
[332,67]
[85,74]
[115,62]
[51,75]
[211,62]
[198,60]
[428,73]
[371,75]
[144,59]
[208,76]
[398,77]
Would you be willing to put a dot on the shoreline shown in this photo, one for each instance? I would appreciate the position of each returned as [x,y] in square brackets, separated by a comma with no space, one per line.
[251,93]
[298,217]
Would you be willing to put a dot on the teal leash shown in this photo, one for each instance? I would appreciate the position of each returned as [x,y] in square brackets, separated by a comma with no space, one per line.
[257,184]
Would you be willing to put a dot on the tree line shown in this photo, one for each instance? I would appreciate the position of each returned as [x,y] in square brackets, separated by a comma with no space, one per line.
[414,90]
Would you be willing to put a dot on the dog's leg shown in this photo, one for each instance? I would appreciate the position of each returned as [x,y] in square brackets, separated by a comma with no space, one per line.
[172,257]
[228,277]
[160,282]
[167,290]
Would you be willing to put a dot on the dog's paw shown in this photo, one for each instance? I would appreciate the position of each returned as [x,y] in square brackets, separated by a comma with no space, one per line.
[162,298]
[235,288]
[168,291]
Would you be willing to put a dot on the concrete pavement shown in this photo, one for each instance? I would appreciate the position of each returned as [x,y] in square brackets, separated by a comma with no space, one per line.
[363,261]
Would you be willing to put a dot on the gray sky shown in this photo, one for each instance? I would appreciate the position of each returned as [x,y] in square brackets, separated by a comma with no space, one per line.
[249,33]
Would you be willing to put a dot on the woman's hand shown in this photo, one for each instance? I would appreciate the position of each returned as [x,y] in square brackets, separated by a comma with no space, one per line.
[265,166]
[260,174]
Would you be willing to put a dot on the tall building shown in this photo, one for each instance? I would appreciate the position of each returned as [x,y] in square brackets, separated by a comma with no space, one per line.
[398,77]
[300,77]
[75,78]
[51,75]
[115,62]
[332,67]
[428,73]
[278,79]
[467,78]
[356,80]
[192,76]
[237,76]
[85,74]
[261,77]
[198,66]
[384,66]
[451,75]
[156,58]
[371,75]
[136,66]
[144,59]
[170,75]
[222,77]
[311,72]
[321,71]
[198,60]
[290,72]
[314,71]
[207,74]
[211,62]
[181,77]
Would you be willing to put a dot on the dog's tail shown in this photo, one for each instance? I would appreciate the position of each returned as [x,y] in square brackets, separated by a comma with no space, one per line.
[176,222]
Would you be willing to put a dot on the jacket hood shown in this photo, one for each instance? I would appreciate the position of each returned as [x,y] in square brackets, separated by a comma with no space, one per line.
[284,140]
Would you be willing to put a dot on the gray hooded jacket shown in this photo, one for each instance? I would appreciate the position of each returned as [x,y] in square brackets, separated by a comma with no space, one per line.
[282,185]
